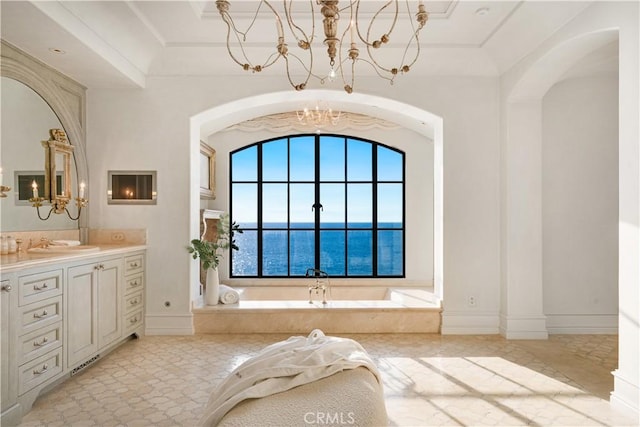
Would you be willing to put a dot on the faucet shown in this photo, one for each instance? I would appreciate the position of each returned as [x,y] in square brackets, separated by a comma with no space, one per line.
[44,243]
[321,283]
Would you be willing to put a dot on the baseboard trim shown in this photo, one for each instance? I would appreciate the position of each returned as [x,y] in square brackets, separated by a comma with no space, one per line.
[625,396]
[169,324]
[582,324]
[524,327]
[465,323]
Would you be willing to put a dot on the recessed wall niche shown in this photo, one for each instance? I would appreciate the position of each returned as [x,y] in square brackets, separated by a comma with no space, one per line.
[131,188]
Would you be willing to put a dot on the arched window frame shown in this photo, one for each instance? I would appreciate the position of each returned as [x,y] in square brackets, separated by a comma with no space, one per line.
[260,229]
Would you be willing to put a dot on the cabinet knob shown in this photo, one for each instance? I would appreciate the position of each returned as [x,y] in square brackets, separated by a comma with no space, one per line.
[40,288]
[6,288]
[133,265]
[134,320]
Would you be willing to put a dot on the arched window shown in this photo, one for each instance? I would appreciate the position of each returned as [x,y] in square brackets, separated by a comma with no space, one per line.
[329,202]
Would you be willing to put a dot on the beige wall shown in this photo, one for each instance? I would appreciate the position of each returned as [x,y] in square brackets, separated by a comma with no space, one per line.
[149,129]
[580,205]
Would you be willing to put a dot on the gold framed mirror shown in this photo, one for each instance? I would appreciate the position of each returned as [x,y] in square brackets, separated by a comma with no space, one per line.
[207,172]
[58,157]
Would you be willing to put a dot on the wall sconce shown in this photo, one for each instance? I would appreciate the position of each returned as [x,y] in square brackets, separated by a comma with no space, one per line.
[3,188]
[58,203]
[58,151]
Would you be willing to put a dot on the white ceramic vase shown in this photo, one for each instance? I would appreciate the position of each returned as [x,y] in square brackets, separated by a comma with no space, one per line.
[212,290]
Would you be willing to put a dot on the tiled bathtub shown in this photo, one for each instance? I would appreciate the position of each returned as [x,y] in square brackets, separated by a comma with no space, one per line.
[349,309]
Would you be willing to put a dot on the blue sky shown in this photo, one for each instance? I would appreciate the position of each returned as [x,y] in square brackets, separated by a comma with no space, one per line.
[332,168]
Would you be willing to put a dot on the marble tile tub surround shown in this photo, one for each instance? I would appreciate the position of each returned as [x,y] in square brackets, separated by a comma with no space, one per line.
[428,379]
[304,317]
[281,309]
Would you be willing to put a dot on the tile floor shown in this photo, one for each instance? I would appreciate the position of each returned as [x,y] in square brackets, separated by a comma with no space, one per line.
[429,380]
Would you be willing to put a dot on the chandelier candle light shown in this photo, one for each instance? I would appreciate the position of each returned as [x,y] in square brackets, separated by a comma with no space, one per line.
[318,117]
[343,54]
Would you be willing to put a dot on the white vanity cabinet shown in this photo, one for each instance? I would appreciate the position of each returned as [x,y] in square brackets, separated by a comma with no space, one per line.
[60,316]
[39,345]
[133,292]
[93,317]
[9,391]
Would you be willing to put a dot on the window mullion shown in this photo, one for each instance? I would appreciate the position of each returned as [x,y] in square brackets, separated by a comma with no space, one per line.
[374,209]
[404,213]
[260,210]
[346,210]
[288,206]
[317,202]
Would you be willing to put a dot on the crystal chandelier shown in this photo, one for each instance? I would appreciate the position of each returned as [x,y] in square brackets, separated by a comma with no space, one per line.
[349,41]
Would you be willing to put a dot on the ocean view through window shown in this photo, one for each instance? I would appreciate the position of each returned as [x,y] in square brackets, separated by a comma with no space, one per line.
[330,202]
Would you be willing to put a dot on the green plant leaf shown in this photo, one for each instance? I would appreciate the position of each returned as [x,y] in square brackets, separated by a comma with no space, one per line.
[207,251]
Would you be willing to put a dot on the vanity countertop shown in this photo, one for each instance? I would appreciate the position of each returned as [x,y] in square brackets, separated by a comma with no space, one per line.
[14,262]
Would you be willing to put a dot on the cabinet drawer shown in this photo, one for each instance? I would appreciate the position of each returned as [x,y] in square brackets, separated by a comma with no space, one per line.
[40,314]
[133,283]
[39,342]
[133,321]
[133,302]
[134,264]
[36,287]
[38,371]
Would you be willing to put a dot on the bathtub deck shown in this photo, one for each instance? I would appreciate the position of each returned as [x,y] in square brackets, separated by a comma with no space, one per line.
[300,317]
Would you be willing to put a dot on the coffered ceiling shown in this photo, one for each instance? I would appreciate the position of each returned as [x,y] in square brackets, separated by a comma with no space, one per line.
[122,43]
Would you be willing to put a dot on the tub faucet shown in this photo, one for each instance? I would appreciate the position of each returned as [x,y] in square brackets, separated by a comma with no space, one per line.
[321,283]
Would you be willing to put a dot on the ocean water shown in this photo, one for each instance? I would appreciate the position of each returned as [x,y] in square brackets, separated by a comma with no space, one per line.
[342,252]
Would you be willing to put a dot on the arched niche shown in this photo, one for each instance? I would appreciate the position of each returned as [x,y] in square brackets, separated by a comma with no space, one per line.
[547,70]
[418,120]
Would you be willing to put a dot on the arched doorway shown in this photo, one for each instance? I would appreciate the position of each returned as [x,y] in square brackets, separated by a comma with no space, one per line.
[522,247]
[522,288]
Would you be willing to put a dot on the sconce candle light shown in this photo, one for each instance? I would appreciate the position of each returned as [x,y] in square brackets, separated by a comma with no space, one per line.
[3,188]
[57,145]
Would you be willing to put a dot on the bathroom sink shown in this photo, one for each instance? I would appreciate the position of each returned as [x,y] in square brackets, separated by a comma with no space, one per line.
[64,249]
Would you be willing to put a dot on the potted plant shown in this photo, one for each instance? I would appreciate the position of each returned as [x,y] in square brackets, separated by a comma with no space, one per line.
[210,254]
